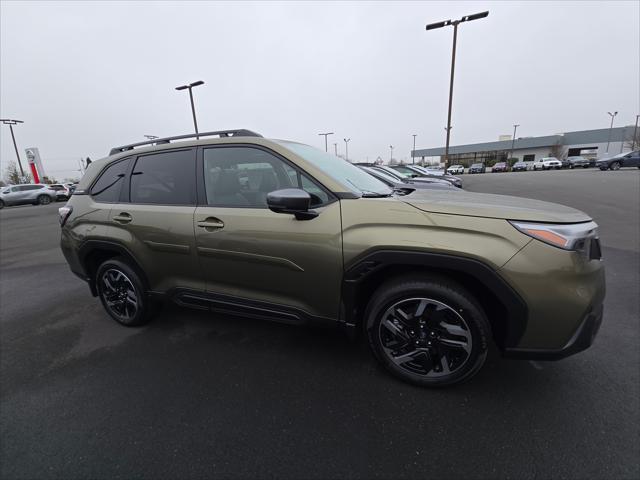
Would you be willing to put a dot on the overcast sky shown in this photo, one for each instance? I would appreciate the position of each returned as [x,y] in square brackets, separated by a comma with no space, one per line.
[87,76]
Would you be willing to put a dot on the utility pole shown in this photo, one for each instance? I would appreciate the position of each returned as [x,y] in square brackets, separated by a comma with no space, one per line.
[346,148]
[335,147]
[11,123]
[413,152]
[513,141]
[193,108]
[391,156]
[455,24]
[612,115]
[325,135]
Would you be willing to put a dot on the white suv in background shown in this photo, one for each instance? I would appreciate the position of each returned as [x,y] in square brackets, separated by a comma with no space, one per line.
[455,170]
[547,163]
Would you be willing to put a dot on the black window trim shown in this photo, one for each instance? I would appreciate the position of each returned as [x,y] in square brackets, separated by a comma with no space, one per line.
[200,182]
[106,167]
[125,195]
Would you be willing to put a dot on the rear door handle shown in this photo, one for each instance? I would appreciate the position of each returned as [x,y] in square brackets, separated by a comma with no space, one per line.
[211,223]
[124,217]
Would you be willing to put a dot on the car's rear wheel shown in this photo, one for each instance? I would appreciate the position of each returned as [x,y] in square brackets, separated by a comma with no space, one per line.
[44,199]
[430,332]
[615,166]
[122,293]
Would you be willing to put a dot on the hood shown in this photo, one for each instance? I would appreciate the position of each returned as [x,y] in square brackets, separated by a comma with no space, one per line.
[493,206]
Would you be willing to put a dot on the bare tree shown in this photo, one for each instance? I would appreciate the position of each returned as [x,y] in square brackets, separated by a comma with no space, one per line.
[632,143]
[13,177]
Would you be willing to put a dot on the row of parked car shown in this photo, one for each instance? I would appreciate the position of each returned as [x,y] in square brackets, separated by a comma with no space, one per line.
[35,194]
[406,178]
[630,159]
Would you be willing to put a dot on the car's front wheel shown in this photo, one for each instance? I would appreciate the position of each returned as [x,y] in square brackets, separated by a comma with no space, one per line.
[427,331]
[1,204]
[122,293]
[615,166]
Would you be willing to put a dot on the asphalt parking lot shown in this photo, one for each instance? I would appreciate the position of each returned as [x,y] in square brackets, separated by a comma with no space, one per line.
[192,395]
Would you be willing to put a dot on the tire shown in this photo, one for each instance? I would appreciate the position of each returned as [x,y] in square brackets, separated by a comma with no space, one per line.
[44,199]
[122,293]
[1,204]
[615,166]
[604,169]
[418,348]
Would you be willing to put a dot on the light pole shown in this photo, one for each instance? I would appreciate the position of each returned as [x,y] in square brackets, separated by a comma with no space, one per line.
[612,115]
[513,141]
[193,108]
[346,148]
[11,123]
[455,24]
[413,152]
[635,135]
[150,137]
[325,135]
[335,147]
[391,155]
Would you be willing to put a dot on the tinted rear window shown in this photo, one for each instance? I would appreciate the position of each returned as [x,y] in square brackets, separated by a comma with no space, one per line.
[166,178]
[109,185]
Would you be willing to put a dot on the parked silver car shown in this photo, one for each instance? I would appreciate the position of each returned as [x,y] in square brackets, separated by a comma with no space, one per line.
[27,193]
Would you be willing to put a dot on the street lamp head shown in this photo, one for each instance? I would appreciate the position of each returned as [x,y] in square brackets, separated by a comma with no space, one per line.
[195,84]
[182,87]
[8,121]
[475,16]
[433,26]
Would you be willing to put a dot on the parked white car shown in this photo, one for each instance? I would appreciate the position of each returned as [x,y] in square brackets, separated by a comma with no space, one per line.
[35,194]
[455,170]
[547,163]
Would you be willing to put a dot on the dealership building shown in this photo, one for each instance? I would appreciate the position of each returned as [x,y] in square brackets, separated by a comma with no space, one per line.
[587,143]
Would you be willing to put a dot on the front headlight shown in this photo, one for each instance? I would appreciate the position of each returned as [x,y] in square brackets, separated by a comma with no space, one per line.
[568,236]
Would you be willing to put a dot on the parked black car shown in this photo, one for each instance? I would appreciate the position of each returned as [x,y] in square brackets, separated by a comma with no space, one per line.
[631,159]
[519,167]
[477,168]
[575,162]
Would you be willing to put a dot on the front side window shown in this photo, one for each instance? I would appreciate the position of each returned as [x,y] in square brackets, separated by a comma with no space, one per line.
[243,176]
[109,185]
[346,173]
[166,178]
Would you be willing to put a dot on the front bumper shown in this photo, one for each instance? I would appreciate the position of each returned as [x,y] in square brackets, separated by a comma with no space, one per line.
[564,292]
[581,340]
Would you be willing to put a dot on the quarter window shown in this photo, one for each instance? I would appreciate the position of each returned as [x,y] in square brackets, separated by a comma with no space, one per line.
[109,185]
[243,176]
[164,178]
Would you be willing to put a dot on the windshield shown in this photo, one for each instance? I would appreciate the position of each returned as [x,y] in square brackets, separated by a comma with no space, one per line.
[394,173]
[359,181]
[477,165]
[381,173]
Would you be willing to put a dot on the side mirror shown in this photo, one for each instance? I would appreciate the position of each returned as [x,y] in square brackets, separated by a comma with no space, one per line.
[292,201]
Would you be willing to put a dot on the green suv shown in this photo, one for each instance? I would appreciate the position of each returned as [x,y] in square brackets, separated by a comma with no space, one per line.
[238,224]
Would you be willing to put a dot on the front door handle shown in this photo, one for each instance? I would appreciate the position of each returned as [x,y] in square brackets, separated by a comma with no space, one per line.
[124,217]
[210,224]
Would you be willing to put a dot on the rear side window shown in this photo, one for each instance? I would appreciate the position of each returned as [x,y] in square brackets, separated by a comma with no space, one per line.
[109,185]
[166,178]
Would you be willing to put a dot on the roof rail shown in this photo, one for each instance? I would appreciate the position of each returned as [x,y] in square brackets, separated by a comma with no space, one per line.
[241,132]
